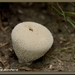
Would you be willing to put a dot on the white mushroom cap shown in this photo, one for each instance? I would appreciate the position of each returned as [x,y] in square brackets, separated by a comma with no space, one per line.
[31,41]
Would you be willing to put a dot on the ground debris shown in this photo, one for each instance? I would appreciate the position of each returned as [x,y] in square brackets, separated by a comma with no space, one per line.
[10,49]
[34,69]
[4,63]
[4,44]
[20,11]
[58,66]
[25,68]
[62,40]
[7,67]
[3,16]
[1,27]
[57,59]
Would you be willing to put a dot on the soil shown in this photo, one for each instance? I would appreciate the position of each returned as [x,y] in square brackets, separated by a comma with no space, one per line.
[61,56]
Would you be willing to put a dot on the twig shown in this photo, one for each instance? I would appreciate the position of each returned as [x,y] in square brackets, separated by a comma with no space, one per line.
[4,44]
[57,59]
[1,61]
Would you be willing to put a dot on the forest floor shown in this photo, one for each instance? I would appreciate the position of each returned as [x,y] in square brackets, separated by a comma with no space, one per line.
[61,56]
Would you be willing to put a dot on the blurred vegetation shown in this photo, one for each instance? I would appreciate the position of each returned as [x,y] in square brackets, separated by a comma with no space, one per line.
[67,15]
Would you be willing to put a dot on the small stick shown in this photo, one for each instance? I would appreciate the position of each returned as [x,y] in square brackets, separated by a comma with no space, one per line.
[5,44]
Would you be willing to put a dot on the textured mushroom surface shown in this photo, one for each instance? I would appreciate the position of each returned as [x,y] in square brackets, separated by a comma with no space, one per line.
[31,41]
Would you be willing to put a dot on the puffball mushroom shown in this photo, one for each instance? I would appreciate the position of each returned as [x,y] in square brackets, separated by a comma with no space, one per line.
[31,41]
